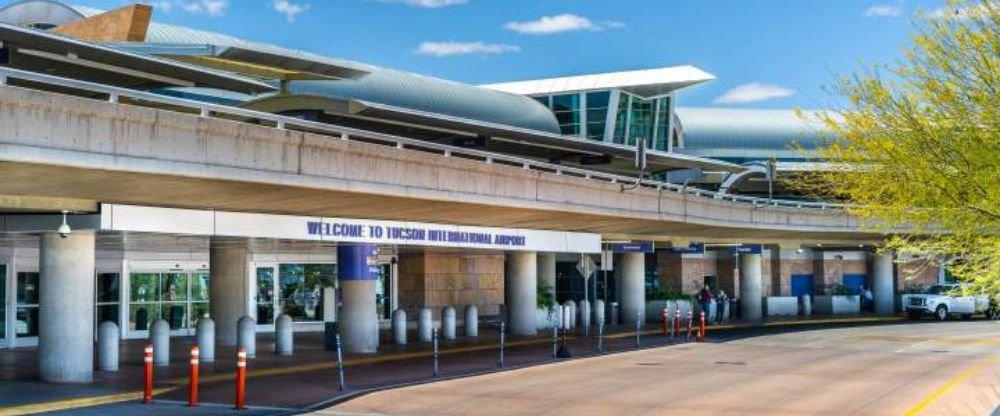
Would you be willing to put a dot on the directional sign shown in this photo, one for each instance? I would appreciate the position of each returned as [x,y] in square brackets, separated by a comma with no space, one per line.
[636,247]
[586,266]
[692,248]
[748,249]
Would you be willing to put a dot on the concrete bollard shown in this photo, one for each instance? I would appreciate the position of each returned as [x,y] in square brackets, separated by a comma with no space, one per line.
[107,346]
[425,325]
[448,323]
[205,334]
[807,305]
[159,335]
[615,319]
[246,336]
[585,316]
[471,321]
[571,314]
[399,327]
[599,312]
[284,335]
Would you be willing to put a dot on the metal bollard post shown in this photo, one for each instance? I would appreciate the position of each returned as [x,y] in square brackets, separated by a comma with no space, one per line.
[241,378]
[701,328]
[600,336]
[340,365]
[434,338]
[687,335]
[503,339]
[555,341]
[677,321]
[193,380]
[147,387]
[638,328]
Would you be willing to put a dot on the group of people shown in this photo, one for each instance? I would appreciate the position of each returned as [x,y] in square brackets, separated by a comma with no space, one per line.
[705,298]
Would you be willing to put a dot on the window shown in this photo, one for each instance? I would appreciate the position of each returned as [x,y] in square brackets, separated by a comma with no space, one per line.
[663,128]
[106,295]
[641,121]
[597,114]
[567,110]
[27,305]
[300,289]
[621,118]
[179,297]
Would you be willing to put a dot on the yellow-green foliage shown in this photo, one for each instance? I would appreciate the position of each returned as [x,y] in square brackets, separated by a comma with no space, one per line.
[922,138]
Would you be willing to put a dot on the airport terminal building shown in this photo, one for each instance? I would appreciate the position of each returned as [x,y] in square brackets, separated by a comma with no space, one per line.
[154,171]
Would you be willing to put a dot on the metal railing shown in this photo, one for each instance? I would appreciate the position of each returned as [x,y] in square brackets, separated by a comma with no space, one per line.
[208,110]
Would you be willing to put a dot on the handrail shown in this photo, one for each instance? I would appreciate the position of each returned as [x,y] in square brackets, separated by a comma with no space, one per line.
[207,110]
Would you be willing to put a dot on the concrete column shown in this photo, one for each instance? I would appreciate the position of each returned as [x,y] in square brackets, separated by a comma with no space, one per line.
[547,272]
[633,286]
[523,292]
[882,278]
[228,287]
[750,286]
[359,317]
[66,308]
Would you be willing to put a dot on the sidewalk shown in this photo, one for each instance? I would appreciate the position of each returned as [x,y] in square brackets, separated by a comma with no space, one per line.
[309,378]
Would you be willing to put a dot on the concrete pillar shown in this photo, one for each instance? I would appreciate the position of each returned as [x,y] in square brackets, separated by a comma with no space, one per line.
[448,323]
[750,286]
[399,327]
[633,286]
[425,325]
[471,321]
[107,346]
[205,336]
[66,308]
[882,278]
[246,336]
[359,317]
[228,287]
[284,335]
[523,293]
[159,336]
[547,272]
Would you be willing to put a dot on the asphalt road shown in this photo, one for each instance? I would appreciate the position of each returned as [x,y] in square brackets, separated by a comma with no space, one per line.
[926,368]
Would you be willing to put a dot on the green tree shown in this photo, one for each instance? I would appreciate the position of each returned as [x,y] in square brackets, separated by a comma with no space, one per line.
[919,143]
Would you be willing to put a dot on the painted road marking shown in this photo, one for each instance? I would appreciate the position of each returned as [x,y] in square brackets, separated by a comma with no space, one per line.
[915,410]
[77,403]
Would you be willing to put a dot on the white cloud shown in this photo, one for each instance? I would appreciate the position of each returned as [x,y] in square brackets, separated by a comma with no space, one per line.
[214,8]
[289,9]
[547,25]
[884,10]
[443,49]
[753,92]
[428,4]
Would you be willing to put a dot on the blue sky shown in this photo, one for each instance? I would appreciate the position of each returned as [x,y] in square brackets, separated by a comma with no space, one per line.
[765,53]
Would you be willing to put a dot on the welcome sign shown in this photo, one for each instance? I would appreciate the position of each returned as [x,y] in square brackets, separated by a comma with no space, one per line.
[252,225]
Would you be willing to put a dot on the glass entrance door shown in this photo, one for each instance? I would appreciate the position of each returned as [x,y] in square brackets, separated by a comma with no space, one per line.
[26,319]
[265,299]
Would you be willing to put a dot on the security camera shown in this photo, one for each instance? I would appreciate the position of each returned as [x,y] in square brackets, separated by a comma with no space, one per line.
[64,230]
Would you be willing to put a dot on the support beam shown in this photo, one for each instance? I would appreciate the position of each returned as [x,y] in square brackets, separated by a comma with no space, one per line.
[523,292]
[750,286]
[882,278]
[359,317]
[633,286]
[228,293]
[66,308]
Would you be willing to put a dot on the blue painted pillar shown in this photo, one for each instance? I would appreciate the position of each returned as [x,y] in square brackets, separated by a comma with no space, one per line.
[357,272]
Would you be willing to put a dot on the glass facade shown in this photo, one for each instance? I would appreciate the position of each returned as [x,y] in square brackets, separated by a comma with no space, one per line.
[178,297]
[585,114]
[107,294]
[26,324]
[300,289]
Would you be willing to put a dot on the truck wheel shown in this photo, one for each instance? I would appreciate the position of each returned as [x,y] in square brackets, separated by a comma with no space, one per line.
[941,313]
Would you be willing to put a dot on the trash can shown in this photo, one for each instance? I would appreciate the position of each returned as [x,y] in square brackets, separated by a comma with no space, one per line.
[330,336]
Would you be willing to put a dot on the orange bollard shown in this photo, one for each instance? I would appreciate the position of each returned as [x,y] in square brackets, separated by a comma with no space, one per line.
[666,323]
[677,320]
[147,388]
[701,328]
[193,386]
[241,378]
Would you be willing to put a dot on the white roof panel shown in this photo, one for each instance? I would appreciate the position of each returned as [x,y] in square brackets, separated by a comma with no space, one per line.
[645,82]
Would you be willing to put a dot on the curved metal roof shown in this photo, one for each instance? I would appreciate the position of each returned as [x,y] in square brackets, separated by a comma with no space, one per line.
[750,133]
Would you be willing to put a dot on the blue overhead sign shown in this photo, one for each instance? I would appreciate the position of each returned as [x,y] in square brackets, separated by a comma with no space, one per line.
[692,248]
[637,247]
[749,249]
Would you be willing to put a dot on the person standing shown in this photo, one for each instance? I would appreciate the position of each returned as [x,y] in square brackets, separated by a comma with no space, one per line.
[705,300]
[721,307]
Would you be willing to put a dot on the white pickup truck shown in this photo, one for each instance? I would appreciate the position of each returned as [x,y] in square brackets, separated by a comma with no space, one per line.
[942,301]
